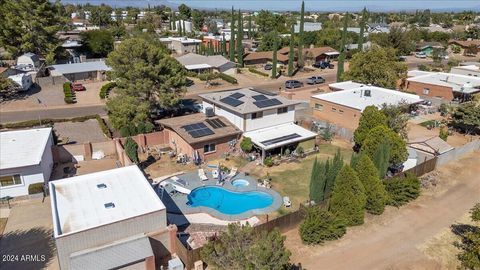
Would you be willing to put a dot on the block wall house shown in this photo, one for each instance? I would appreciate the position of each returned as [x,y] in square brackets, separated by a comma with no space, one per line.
[216,42]
[430,90]
[467,47]
[25,159]
[338,114]
[181,45]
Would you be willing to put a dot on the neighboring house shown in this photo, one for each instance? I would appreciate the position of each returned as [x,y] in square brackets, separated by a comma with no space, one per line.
[181,45]
[339,86]
[25,158]
[315,54]
[471,70]
[181,23]
[81,71]
[446,86]
[467,47]
[344,108]
[216,42]
[109,220]
[308,27]
[377,28]
[201,63]
[366,46]
[257,58]
[23,80]
[266,118]
[428,148]
[28,62]
[198,135]
[427,47]
[437,28]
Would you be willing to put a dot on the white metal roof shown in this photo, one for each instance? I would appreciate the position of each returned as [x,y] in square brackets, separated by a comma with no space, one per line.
[458,83]
[345,85]
[355,97]
[197,66]
[20,148]
[78,204]
[416,72]
[80,67]
[261,135]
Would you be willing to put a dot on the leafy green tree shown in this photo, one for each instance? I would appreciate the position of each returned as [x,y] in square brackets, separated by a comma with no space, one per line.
[443,133]
[475,212]
[397,119]
[231,47]
[374,188]
[402,190]
[300,62]
[269,22]
[30,26]
[371,117]
[127,111]
[239,40]
[377,66]
[361,37]
[291,53]
[269,252]
[246,145]
[250,34]
[185,11]
[198,19]
[143,68]
[274,58]
[320,226]
[348,197]
[268,40]
[100,15]
[341,58]
[131,148]
[466,117]
[382,134]
[99,43]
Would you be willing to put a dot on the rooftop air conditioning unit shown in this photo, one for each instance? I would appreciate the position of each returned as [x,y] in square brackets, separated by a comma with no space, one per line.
[209,112]
[368,93]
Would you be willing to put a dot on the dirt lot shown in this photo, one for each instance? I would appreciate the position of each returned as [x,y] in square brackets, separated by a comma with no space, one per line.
[80,132]
[397,239]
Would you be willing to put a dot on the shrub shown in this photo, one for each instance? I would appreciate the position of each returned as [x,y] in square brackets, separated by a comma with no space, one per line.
[69,100]
[228,78]
[320,226]
[374,188]
[35,188]
[69,95]
[475,212]
[208,76]
[443,133]
[268,162]
[402,190]
[299,150]
[423,67]
[103,126]
[131,148]
[104,91]
[253,70]
[246,145]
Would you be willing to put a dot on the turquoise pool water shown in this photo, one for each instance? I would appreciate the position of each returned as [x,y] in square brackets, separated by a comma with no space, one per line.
[228,202]
[240,183]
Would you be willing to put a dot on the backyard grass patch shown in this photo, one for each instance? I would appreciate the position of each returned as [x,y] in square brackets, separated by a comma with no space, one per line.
[431,123]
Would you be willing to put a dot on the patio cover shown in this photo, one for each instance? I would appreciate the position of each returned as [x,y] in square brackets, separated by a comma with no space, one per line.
[197,66]
[280,135]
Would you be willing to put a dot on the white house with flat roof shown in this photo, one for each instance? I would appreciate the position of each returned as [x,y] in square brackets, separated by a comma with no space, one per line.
[25,158]
[105,220]
[259,114]
[471,70]
[94,70]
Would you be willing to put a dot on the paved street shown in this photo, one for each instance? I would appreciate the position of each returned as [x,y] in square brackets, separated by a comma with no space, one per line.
[62,112]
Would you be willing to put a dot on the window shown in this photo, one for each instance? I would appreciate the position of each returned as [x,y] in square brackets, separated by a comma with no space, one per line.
[426,91]
[257,115]
[334,109]
[209,148]
[318,107]
[10,180]
[282,110]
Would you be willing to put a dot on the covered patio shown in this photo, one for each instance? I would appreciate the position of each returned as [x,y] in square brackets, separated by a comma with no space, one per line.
[278,137]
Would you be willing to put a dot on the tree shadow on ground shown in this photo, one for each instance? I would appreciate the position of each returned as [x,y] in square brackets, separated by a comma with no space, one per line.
[27,249]
[462,229]
[21,95]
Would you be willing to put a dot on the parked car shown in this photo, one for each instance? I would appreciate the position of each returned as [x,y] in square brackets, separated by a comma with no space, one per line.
[420,55]
[402,58]
[323,65]
[78,87]
[315,80]
[293,84]
[268,67]
[189,82]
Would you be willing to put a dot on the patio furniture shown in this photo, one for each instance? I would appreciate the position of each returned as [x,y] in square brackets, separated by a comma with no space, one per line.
[287,202]
[215,174]
[232,173]
[202,175]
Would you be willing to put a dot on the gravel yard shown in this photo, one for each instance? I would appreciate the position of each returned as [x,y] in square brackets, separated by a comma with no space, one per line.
[80,132]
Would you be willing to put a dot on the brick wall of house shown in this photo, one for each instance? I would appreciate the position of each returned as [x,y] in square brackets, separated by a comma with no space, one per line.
[221,147]
[336,114]
[430,90]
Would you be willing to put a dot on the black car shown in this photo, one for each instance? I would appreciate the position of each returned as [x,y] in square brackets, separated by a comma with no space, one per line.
[293,84]
[268,67]
[323,65]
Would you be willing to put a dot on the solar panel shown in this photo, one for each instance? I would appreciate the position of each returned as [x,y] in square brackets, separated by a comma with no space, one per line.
[231,101]
[198,130]
[280,139]
[259,97]
[237,95]
[267,103]
[215,123]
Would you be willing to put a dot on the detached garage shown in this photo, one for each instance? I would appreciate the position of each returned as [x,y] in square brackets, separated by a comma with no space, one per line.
[81,71]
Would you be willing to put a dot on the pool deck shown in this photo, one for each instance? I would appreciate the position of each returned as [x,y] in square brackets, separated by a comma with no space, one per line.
[177,203]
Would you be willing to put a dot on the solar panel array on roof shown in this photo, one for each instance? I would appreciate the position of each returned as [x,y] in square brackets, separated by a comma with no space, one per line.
[198,130]
[280,139]
[267,103]
[237,95]
[231,101]
[259,97]
[215,123]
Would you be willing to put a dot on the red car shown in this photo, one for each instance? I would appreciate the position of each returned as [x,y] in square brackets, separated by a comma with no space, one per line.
[78,87]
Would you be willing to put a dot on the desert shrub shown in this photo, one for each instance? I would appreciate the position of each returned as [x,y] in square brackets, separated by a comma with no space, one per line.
[320,226]
[402,190]
[35,188]
[253,70]
[268,162]
[208,76]
[69,100]
[131,148]
[246,145]
[228,78]
[46,121]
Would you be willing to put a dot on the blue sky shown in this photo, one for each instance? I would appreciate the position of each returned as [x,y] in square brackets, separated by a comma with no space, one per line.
[313,5]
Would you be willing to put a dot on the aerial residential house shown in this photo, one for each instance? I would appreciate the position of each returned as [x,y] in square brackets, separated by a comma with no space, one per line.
[109,220]
[257,58]
[181,24]
[266,118]
[181,45]
[314,54]
[216,41]
[378,28]
[469,47]
[95,70]
[200,136]
[344,108]
[445,86]
[308,26]
[427,47]
[346,85]
[29,63]
[25,158]
[354,46]
[23,80]
[470,70]
[201,63]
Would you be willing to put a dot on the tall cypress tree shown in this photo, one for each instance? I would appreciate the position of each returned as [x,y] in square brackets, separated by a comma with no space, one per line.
[249,26]
[333,168]
[231,47]
[374,188]
[300,42]
[174,23]
[313,180]
[183,28]
[224,45]
[341,58]
[362,28]
[381,159]
[274,57]
[317,181]
[170,22]
[239,40]
[291,53]
[180,28]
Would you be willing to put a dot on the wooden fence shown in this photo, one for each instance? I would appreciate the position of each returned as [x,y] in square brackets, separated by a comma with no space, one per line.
[423,168]
[188,256]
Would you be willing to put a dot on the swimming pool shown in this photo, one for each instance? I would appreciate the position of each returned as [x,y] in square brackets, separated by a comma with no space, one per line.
[240,183]
[228,202]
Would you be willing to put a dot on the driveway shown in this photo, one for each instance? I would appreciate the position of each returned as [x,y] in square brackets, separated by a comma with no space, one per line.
[393,240]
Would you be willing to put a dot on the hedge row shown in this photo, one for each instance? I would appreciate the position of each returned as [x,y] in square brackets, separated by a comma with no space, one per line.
[103,126]
[253,70]
[68,93]
[207,76]
[228,78]
[105,90]
[47,121]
